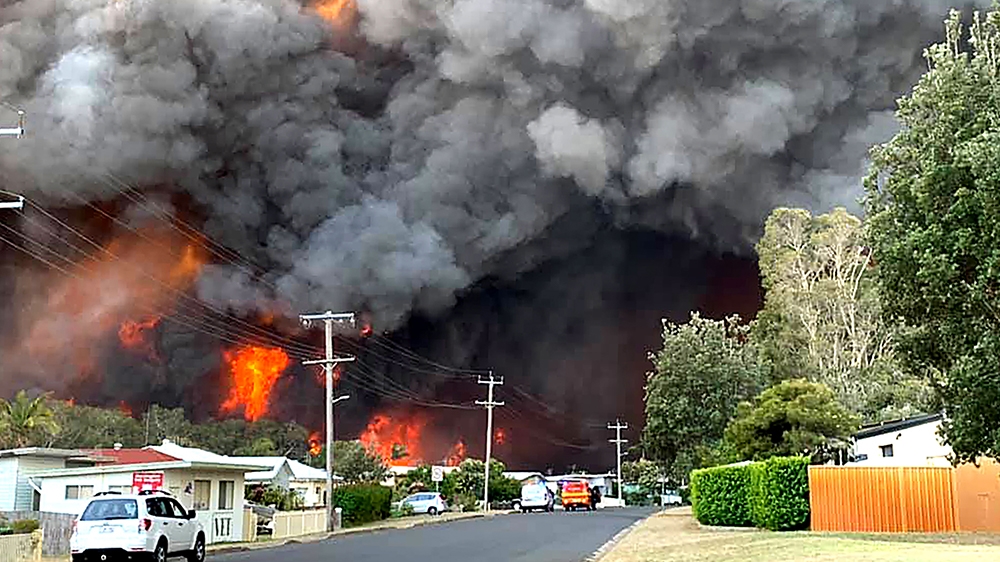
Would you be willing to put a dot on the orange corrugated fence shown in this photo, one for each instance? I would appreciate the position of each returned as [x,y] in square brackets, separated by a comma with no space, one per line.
[905,499]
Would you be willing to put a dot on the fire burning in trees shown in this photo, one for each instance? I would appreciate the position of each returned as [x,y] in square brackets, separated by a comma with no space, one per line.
[254,371]
[133,335]
[500,436]
[315,444]
[341,13]
[403,440]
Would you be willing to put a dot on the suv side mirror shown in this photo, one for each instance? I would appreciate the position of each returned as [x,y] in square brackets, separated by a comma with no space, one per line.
[190,514]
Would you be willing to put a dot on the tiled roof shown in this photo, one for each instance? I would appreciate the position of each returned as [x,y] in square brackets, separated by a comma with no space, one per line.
[132,456]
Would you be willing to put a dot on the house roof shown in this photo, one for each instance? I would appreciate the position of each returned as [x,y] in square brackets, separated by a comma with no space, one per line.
[300,471]
[133,456]
[201,457]
[44,452]
[521,476]
[882,428]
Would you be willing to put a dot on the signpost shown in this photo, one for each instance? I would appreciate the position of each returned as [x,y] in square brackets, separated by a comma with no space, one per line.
[143,481]
[437,476]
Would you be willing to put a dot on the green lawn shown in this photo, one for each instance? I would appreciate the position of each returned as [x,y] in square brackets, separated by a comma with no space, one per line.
[676,537]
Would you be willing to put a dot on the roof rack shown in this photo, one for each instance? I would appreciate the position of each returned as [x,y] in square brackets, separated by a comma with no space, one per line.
[107,494]
[151,492]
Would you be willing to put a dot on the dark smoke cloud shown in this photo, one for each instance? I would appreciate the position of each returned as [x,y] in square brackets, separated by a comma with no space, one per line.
[394,176]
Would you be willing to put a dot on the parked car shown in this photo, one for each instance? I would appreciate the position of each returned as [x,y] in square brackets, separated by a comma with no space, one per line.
[430,503]
[147,527]
[671,497]
[576,495]
[535,496]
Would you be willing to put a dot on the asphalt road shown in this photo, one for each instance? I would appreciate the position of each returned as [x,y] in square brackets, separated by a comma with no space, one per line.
[534,537]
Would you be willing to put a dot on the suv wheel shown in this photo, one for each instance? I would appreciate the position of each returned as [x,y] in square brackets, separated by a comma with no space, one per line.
[516,506]
[432,511]
[198,554]
[160,553]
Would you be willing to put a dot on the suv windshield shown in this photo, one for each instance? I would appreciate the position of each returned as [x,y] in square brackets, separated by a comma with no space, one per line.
[104,510]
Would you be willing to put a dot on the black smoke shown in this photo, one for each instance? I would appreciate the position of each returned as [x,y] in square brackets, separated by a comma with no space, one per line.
[547,178]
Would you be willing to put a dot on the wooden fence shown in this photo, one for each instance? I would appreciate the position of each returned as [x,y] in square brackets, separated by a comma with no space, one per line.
[57,526]
[296,523]
[905,499]
[21,548]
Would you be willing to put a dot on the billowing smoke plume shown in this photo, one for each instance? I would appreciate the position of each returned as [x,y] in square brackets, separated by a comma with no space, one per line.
[391,159]
[392,176]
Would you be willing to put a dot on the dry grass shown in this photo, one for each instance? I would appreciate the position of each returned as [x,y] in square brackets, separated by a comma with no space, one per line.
[674,536]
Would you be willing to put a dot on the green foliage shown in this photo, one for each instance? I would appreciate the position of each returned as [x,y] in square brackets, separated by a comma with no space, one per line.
[933,198]
[779,493]
[261,447]
[363,503]
[772,494]
[470,474]
[25,526]
[25,420]
[822,316]
[419,480]
[355,463]
[645,475]
[791,418]
[705,368]
[465,503]
[720,496]
[404,510]
[87,427]
[503,489]
[282,499]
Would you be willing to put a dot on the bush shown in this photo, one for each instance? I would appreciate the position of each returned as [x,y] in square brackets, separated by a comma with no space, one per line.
[779,493]
[25,526]
[465,503]
[404,510]
[363,503]
[772,494]
[719,496]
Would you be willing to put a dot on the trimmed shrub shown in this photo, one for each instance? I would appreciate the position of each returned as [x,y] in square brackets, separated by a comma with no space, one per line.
[779,493]
[363,503]
[719,496]
[25,526]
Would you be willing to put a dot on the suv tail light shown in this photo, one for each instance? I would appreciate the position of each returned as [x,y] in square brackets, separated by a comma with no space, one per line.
[145,524]
[74,527]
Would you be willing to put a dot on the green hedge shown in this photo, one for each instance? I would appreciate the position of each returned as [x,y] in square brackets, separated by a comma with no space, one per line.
[719,496]
[363,503]
[779,493]
[772,494]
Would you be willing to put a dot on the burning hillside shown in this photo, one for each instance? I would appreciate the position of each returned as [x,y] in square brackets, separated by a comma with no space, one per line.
[456,169]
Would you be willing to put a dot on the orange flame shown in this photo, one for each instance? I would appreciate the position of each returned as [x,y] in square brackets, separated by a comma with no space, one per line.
[254,371]
[500,436]
[389,437]
[338,12]
[456,455]
[125,408]
[315,446]
[366,330]
[132,335]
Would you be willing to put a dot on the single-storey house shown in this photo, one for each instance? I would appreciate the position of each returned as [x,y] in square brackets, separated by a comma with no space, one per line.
[16,466]
[906,442]
[308,482]
[210,484]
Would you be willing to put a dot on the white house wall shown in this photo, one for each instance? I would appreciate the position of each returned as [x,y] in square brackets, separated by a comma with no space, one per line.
[8,483]
[311,492]
[913,446]
[54,490]
[26,466]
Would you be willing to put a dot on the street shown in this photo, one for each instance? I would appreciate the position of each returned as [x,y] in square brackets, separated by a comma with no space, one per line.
[536,537]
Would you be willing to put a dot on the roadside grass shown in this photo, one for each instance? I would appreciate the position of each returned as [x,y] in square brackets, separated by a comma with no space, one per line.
[674,536]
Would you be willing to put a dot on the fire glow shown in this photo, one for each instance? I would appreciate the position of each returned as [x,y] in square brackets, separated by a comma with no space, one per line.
[315,446]
[254,371]
[133,336]
[338,12]
[403,440]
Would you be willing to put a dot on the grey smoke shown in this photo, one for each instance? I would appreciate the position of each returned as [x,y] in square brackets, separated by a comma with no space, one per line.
[393,175]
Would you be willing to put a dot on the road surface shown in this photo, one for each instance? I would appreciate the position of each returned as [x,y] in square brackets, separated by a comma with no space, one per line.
[534,537]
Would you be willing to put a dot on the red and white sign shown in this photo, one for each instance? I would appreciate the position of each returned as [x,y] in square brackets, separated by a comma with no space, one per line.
[142,481]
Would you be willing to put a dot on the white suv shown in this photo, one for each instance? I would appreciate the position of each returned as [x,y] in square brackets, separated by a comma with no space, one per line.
[148,526]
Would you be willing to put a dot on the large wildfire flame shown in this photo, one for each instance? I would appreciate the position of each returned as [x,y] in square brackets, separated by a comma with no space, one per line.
[402,440]
[254,371]
[121,289]
[341,13]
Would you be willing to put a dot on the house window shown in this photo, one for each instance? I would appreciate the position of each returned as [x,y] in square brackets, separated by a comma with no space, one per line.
[202,494]
[79,492]
[226,488]
[886,450]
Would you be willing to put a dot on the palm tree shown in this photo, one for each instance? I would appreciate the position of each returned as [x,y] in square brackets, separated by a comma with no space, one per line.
[26,419]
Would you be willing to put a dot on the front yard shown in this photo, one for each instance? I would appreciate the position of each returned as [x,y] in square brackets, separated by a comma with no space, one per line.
[674,536]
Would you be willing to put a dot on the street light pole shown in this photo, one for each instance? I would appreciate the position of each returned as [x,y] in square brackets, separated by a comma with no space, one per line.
[329,362]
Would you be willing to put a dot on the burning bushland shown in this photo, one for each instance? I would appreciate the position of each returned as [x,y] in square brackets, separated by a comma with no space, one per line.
[523,185]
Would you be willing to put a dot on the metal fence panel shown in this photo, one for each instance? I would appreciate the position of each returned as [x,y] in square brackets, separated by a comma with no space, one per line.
[882,499]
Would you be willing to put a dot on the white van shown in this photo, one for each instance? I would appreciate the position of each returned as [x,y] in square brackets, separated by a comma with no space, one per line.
[535,496]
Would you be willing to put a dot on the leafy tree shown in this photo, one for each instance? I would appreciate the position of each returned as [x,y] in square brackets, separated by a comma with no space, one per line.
[934,206]
[24,420]
[354,463]
[282,499]
[705,368]
[469,480]
[261,447]
[87,427]
[792,418]
[643,473]
[822,313]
